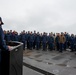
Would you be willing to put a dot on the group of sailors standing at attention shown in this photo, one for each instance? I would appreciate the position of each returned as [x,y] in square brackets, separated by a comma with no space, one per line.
[36,40]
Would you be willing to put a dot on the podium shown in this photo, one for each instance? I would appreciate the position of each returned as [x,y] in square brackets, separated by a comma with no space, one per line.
[12,61]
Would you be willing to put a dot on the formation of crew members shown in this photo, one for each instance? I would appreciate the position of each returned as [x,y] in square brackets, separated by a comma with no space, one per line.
[35,40]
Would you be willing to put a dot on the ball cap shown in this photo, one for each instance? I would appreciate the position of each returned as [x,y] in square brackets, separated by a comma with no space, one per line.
[1,21]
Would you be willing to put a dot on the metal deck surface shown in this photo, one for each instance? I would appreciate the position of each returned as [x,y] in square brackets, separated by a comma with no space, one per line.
[49,63]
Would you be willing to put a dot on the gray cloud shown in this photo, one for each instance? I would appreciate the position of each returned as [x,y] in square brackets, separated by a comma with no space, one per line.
[40,15]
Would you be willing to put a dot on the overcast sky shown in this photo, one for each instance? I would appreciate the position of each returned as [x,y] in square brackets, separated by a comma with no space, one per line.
[39,15]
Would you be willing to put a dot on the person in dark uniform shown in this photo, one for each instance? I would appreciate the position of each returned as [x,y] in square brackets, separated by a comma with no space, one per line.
[75,43]
[51,42]
[3,45]
[23,39]
[34,37]
[72,41]
[28,35]
[57,41]
[31,40]
[15,36]
[37,41]
[8,38]
[44,41]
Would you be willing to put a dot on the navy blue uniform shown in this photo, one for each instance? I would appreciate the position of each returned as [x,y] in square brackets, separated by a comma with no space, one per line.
[72,42]
[23,39]
[2,42]
[34,43]
[37,41]
[44,41]
[8,37]
[66,42]
[57,42]
[75,44]
[15,37]
[40,41]
[51,42]
[31,40]
[28,45]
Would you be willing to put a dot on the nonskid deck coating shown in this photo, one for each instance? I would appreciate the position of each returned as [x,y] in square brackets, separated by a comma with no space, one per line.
[52,62]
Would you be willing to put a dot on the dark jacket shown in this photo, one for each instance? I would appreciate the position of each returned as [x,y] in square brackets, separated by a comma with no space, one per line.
[8,38]
[44,39]
[31,38]
[23,37]
[72,40]
[50,39]
[37,38]
[2,41]
[75,40]
[57,39]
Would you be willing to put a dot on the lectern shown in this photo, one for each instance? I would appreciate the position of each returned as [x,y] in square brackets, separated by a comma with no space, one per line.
[12,61]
